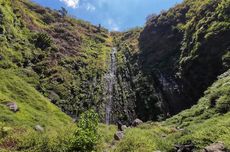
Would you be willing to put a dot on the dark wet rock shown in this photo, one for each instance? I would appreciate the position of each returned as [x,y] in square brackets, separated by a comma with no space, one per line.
[118,135]
[12,106]
[39,128]
[136,122]
[119,126]
[1,30]
[189,147]
[1,57]
[216,147]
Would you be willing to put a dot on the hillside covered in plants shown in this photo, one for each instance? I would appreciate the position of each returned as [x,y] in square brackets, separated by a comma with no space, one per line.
[63,58]
[62,79]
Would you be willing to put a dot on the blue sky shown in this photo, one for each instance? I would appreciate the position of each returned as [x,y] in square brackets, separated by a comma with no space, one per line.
[116,15]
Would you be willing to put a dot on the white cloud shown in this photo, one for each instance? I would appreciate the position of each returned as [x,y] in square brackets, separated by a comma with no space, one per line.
[71,3]
[113,25]
[89,7]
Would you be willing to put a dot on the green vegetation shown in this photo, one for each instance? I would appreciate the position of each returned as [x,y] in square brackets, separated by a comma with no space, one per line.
[17,129]
[68,58]
[52,65]
[65,63]
[106,133]
[203,124]
[165,67]
[33,107]
[86,136]
[42,41]
[209,28]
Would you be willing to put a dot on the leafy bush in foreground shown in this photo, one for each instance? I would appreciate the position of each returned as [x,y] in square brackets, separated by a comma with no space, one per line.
[86,136]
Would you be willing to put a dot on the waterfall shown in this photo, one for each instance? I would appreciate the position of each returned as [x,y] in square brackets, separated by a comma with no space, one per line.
[110,79]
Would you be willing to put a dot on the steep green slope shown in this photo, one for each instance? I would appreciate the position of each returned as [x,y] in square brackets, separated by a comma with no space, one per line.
[18,129]
[46,54]
[69,56]
[33,107]
[38,125]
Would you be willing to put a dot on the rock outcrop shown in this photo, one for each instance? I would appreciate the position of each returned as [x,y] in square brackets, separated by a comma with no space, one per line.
[119,135]
[39,128]
[216,147]
[12,106]
[137,122]
[189,147]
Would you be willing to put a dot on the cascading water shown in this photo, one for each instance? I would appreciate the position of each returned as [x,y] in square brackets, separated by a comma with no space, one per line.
[110,79]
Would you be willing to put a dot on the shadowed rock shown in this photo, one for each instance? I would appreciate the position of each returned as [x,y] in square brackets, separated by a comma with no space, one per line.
[118,135]
[119,126]
[136,122]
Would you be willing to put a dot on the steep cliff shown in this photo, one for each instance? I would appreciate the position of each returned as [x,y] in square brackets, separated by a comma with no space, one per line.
[187,46]
[167,66]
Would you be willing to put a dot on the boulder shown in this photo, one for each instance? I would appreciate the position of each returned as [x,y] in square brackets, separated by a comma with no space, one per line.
[123,127]
[12,106]
[39,128]
[215,147]
[136,122]
[118,135]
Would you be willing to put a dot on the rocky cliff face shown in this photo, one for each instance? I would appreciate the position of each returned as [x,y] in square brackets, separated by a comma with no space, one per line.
[166,67]
[187,48]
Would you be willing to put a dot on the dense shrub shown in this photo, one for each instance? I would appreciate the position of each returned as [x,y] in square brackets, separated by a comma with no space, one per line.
[42,41]
[48,18]
[86,136]
[223,105]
